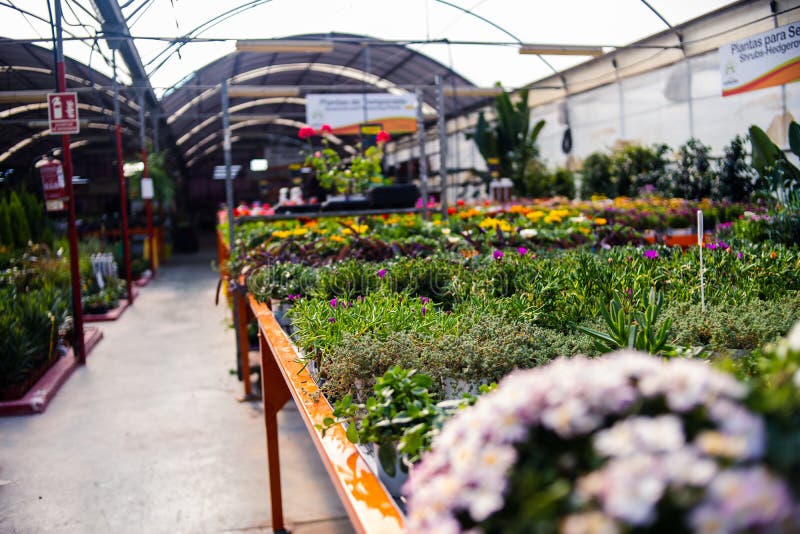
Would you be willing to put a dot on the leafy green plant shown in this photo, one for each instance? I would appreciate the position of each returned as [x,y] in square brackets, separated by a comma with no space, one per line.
[777,173]
[597,176]
[402,403]
[19,221]
[511,139]
[693,175]
[634,167]
[735,180]
[634,329]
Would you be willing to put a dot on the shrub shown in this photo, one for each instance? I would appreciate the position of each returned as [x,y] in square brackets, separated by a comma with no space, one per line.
[693,176]
[735,180]
[634,167]
[597,176]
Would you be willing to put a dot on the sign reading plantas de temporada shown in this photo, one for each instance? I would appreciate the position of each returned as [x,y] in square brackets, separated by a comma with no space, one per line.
[764,60]
[344,112]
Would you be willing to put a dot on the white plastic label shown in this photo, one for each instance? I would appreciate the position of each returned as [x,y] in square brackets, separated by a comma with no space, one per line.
[147,188]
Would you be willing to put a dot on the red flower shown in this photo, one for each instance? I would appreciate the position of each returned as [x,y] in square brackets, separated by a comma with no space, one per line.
[451,210]
[383,137]
[460,202]
[325,129]
[305,132]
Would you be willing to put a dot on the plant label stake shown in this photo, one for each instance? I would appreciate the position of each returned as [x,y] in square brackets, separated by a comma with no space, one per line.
[700,244]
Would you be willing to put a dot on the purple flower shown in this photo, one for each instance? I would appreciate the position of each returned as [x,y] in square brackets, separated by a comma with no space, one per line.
[711,246]
[723,245]
[522,251]
[740,255]
[381,273]
[292,298]
[497,254]
[424,300]
[651,254]
[424,310]
[333,303]
[331,319]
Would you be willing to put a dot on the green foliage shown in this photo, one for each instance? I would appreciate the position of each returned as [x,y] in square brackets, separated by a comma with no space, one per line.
[634,167]
[777,173]
[163,182]
[401,403]
[693,176]
[511,139]
[540,182]
[735,180]
[483,350]
[19,221]
[355,175]
[634,329]
[597,176]
[6,233]
[745,325]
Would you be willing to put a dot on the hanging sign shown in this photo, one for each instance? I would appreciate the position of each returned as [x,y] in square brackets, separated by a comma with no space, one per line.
[62,113]
[764,60]
[345,112]
[55,191]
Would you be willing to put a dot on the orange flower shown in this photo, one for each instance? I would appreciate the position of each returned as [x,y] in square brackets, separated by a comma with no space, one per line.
[773,254]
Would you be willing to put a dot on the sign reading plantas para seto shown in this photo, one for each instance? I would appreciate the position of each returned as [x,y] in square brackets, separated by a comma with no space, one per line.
[764,60]
[344,112]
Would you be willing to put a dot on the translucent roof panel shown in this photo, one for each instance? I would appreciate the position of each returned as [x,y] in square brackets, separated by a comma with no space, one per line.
[498,21]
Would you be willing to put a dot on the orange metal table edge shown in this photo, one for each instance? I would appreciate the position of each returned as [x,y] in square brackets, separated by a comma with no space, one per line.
[370,508]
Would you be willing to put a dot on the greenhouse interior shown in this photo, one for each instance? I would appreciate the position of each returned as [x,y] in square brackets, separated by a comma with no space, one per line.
[428,267]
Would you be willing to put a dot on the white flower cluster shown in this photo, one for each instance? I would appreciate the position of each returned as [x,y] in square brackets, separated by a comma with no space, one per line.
[645,457]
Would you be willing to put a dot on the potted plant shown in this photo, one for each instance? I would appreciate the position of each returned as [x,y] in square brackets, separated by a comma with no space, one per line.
[395,424]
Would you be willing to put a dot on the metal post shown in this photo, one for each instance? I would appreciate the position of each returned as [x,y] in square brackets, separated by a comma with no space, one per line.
[75,273]
[148,203]
[621,97]
[689,95]
[442,142]
[226,148]
[123,197]
[423,158]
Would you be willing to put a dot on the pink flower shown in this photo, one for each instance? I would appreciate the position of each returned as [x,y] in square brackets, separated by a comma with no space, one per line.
[305,132]
[651,254]
[424,310]
[381,273]
[383,137]
[522,251]
[325,129]
[331,320]
[333,303]
[424,300]
[498,254]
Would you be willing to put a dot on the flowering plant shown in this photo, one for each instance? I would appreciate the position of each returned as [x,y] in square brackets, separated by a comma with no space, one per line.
[625,442]
[355,174]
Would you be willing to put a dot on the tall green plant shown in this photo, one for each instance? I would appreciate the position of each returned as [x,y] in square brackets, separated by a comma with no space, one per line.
[163,183]
[635,166]
[19,221]
[6,235]
[735,180]
[597,176]
[777,173]
[693,176]
[511,139]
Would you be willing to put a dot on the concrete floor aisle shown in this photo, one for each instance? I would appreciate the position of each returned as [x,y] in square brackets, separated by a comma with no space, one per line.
[148,437]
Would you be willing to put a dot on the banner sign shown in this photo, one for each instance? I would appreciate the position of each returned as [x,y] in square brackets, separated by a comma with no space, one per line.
[53,186]
[344,112]
[62,113]
[764,60]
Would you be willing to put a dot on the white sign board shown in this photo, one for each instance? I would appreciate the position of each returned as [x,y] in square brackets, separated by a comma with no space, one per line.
[764,60]
[345,111]
[62,113]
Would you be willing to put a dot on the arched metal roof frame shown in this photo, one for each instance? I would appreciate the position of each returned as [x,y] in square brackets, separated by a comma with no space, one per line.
[356,64]
[26,67]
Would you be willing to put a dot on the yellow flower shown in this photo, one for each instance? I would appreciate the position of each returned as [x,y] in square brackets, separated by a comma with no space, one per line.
[281,234]
[552,217]
[534,216]
[600,221]
[338,238]
[299,231]
[489,223]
